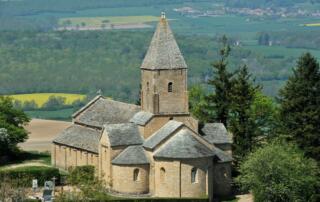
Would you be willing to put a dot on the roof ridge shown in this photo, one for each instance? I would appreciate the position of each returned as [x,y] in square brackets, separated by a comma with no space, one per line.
[152,145]
[134,150]
[86,106]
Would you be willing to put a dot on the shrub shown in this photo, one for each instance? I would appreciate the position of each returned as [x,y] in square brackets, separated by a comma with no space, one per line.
[279,172]
[81,174]
[23,176]
[55,103]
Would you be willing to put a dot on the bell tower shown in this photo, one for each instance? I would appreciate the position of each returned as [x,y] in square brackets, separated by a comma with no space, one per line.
[164,74]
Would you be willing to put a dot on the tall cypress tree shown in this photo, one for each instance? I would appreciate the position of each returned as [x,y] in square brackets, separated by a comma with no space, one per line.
[300,106]
[219,102]
[242,124]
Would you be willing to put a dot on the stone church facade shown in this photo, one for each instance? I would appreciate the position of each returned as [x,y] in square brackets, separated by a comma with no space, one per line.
[157,148]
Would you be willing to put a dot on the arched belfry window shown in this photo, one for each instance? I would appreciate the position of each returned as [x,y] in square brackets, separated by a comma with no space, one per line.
[162,174]
[170,85]
[194,175]
[136,174]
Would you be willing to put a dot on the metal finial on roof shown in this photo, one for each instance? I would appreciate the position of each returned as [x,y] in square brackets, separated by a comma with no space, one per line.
[163,15]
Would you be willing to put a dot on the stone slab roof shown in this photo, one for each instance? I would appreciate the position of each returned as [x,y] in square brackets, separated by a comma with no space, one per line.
[142,118]
[163,52]
[132,155]
[123,134]
[183,145]
[102,111]
[216,133]
[223,156]
[80,137]
[163,133]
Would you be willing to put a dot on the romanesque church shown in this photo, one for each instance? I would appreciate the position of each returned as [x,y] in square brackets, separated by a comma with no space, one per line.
[157,148]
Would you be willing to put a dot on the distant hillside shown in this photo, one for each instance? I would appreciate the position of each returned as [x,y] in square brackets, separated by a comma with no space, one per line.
[84,62]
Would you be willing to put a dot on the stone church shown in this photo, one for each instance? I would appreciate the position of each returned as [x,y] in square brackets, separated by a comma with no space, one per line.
[157,148]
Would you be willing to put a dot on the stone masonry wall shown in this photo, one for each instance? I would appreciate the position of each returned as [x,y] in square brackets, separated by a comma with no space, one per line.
[175,181]
[123,179]
[155,96]
[65,157]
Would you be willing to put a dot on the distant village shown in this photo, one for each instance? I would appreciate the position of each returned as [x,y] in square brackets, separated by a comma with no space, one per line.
[258,12]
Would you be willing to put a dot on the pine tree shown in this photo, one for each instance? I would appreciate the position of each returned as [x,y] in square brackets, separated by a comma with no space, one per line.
[219,102]
[242,124]
[300,106]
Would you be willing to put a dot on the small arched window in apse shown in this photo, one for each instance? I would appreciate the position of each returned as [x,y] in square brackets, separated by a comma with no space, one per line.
[170,86]
[162,174]
[194,175]
[136,174]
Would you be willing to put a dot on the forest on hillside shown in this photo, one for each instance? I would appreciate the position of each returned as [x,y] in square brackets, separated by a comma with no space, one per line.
[84,62]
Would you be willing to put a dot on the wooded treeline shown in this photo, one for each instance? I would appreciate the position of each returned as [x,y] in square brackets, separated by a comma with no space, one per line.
[84,62]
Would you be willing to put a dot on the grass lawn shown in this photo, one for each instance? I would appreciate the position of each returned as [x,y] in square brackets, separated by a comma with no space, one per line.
[98,21]
[41,98]
[25,158]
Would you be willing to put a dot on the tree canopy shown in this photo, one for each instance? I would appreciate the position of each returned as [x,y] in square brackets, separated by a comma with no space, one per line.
[12,121]
[219,101]
[300,106]
[242,124]
[279,172]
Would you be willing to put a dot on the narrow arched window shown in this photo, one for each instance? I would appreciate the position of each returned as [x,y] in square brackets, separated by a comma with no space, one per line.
[170,85]
[136,174]
[194,175]
[162,174]
[147,86]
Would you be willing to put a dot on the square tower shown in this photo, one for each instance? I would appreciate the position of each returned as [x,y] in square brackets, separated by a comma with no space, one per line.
[164,74]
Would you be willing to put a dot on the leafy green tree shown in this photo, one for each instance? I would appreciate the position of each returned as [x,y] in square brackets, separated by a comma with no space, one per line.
[279,173]
[54,103]
[197,102]
[17,104]
[29,105]
[300,106]
[263,39]
[265,113]
[219,102]
[242,124]
[12,121]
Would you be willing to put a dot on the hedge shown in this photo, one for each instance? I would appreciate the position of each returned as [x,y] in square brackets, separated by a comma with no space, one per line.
[23,176]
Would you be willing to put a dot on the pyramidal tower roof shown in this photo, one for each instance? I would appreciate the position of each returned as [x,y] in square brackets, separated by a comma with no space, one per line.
[163,52]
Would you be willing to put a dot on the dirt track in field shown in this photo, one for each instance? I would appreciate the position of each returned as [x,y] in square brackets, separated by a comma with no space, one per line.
[42,132]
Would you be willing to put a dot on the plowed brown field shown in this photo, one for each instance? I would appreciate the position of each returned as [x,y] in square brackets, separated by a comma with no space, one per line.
[42,132]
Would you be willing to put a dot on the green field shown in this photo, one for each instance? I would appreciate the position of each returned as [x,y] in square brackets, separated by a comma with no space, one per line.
[98,21]
[41,98]
[63,115]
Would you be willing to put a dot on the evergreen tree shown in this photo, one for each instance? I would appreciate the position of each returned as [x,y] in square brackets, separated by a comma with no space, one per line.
[300,106]
[219,102]
[242,124]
